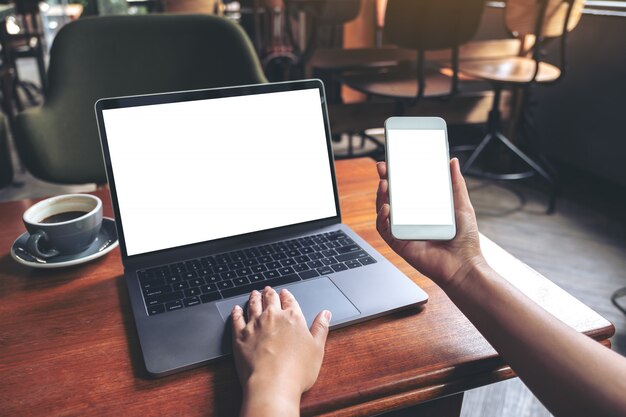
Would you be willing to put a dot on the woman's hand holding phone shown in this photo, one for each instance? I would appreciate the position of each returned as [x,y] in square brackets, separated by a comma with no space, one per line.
[445,262]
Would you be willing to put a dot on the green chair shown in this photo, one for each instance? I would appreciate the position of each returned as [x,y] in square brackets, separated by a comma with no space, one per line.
[112,56]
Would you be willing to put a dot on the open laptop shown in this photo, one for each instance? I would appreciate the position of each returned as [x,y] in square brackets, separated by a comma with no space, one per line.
[218,192]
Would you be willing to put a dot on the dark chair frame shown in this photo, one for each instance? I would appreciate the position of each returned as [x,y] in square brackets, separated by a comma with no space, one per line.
[421,62]
[494,120]
[27,44]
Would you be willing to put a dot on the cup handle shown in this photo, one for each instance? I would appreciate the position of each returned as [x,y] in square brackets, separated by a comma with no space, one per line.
[33,245]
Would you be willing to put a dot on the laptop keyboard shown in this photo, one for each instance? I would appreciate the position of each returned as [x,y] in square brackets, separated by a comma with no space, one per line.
[190,283]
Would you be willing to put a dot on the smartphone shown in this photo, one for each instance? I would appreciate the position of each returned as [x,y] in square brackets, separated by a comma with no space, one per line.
[418,171]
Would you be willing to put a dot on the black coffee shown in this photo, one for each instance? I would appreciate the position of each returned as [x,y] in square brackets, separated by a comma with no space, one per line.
[63,217]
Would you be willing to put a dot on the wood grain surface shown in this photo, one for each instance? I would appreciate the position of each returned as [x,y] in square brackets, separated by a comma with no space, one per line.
[68,345]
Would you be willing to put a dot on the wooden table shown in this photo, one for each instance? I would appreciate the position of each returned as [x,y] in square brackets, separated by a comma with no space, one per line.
[68,344]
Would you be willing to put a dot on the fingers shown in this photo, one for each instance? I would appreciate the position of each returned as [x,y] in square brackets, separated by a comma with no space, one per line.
[381,167]
[270,298]
[459,188]
[319,328]
[255,305]
[288,301]
[382,194]
[237,319]
[383,225]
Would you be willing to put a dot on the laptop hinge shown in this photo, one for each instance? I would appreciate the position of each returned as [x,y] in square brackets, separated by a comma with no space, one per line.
[199,250]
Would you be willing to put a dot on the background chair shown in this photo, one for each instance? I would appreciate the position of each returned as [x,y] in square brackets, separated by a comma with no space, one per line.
[112,56]
[278,54]
[28,42]
[421,26]
[541,20]
[329,61]
[328,14]
[400,75]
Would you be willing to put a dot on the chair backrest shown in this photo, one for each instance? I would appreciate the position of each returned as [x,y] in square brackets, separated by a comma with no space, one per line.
[432,24]
[112,56]
[521,16]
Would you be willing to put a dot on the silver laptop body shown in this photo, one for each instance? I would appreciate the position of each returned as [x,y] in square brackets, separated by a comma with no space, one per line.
[217,192]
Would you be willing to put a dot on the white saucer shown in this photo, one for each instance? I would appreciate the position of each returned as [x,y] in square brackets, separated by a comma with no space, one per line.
[105,242]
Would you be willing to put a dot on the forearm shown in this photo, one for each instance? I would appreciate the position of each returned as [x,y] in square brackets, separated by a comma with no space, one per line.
[570,373]
[267,398]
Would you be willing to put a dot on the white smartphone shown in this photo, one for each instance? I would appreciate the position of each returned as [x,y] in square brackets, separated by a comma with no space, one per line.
[418,171]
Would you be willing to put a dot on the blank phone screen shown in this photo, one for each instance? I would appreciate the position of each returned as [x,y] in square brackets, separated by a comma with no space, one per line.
[419,170]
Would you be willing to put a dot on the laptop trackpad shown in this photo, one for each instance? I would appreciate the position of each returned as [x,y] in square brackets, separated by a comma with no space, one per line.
[313,296]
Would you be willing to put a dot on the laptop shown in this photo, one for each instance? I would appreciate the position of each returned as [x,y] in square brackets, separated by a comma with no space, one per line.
[221,191]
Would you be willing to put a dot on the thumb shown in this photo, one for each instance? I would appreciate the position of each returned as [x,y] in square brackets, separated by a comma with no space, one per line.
[319,328]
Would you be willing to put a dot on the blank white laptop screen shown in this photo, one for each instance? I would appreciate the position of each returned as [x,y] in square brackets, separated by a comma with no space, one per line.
[200,170]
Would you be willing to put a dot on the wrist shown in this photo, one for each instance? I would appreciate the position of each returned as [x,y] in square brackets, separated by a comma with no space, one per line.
[469,268]
[272,383]
[272,394]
